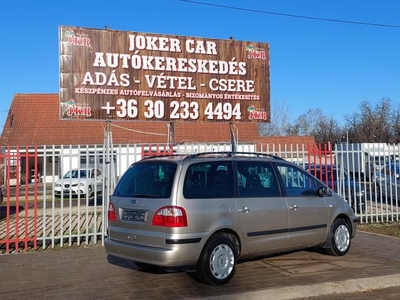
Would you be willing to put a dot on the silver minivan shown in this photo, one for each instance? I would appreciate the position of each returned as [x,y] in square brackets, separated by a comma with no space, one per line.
[205,211]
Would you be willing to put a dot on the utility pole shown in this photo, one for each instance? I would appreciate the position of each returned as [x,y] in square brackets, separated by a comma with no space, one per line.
[171,133]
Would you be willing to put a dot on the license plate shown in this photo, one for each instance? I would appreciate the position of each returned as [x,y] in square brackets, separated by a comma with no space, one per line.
[134,215]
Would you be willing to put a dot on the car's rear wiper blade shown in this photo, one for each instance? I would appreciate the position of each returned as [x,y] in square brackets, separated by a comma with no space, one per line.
[146,196]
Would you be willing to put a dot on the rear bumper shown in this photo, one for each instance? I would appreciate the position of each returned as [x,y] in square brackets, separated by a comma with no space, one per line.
[173,255]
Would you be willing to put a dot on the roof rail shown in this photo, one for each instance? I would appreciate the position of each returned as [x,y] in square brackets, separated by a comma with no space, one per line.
[164,155]
[230,154]
[258,154]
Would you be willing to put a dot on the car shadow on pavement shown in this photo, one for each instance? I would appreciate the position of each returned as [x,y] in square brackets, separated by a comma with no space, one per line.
[96,200]
[13,210]
[124,263]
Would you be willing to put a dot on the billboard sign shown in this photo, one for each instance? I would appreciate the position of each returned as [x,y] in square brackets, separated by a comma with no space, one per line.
[133,76]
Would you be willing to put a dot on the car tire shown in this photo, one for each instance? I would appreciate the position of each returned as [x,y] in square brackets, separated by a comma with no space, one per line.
[217,262]
[90,191]
[340,238]
[378,191]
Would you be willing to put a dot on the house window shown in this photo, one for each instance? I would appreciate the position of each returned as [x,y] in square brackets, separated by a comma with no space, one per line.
[55,159]
[91,160]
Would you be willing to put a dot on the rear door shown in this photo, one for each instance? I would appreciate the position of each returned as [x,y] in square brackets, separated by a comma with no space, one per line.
[308,212]
[262,209]
[140,193]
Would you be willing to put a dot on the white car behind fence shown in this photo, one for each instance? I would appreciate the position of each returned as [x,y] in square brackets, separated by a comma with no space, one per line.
[79,182]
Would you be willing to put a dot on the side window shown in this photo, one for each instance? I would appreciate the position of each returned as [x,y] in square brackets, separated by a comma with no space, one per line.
[256,179]
[297,182]
[209,180]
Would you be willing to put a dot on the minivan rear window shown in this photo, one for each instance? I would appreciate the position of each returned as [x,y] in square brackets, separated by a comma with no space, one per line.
[151,180]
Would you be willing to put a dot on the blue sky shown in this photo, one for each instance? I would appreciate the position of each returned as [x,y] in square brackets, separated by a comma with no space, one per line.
[333,66]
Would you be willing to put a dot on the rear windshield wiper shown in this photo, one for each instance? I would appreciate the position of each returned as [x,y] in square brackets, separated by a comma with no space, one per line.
[146,196]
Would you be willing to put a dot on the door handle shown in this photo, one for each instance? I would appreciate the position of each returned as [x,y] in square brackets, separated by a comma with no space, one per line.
[294,207]
[244,209]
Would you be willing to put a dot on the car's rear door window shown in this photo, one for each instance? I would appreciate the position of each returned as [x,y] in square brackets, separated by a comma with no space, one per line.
[213,179]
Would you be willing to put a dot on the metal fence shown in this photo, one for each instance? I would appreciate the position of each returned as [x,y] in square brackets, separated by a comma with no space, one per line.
[34,216]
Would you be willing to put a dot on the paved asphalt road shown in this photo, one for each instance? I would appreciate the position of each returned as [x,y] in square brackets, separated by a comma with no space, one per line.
[384,294]
[89,273]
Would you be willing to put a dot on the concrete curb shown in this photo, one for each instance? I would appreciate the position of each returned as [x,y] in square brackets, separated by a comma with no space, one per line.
[320,289]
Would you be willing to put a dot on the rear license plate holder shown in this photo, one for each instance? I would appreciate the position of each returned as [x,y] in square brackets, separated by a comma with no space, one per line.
[134,215]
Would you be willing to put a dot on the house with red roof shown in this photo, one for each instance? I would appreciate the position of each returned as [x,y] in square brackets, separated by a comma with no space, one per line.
[33,120]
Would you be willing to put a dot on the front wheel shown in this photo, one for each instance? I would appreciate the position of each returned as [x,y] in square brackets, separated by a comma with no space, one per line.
[217,262]
[90,191]
[340,238]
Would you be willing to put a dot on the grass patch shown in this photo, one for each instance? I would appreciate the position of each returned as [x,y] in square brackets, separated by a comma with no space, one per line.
[390,229]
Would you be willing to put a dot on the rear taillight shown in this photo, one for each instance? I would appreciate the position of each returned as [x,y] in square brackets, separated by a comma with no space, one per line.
[170,216]
[112,216]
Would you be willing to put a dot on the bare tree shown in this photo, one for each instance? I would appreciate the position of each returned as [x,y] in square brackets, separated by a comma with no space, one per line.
[371,123]
[352,128]
[395,126]
[280,120]
[292,130]
[327,130]
[307,122]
